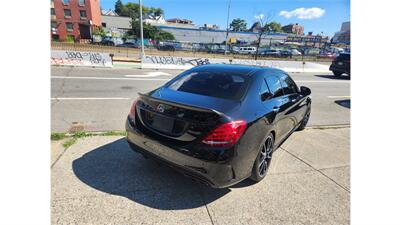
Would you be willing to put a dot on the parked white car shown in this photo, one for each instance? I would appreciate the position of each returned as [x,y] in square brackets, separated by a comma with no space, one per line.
[247,50]
[295,52]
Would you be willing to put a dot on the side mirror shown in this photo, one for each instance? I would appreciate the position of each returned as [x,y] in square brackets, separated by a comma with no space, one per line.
[305,91]
[265,96]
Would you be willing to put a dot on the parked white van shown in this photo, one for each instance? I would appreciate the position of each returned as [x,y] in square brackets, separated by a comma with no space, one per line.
[247,50]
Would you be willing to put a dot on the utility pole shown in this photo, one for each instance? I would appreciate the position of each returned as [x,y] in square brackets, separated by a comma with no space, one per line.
[227,28]
[141,32]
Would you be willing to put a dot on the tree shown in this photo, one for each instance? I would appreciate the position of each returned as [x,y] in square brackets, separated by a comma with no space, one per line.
[149,31]
[264,28]
[155,13]
[99,31]
[238,25]
[133,11]
[119,7]
[274,27]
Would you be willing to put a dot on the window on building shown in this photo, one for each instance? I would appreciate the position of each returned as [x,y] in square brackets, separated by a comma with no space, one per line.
[53,24]
[103,24]
[69,26]
[66,2]
[81,2]
[52,12]
[83,13]
[67,12]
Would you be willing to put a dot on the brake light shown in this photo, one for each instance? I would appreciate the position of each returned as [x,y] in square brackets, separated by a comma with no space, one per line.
[225,135]
[132,112]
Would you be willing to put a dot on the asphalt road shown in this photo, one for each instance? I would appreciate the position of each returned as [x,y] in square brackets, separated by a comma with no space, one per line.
[98,99]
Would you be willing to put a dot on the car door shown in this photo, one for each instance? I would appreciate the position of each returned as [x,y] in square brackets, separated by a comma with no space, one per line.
[274,104]
[293,103]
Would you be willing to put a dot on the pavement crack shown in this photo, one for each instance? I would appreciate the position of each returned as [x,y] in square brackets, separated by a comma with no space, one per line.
[205,204]
[62,88]
[319,171]
[55,161]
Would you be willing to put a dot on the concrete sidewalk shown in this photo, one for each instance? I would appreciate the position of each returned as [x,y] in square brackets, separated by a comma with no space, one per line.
[99,180]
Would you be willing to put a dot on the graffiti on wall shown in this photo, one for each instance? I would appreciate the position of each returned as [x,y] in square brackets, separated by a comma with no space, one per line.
[76,58]
[190,62]
[170,60]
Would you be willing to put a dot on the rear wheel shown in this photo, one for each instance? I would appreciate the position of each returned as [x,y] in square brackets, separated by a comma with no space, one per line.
[263,160]
[337,73]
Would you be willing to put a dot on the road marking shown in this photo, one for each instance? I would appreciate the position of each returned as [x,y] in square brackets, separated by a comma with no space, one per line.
[72,98]
[150,74]
[108,78]
[322,81]
[343,96]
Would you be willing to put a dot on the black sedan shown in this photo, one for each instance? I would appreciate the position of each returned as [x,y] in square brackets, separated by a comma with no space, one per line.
[341,65]
[129,45]
[219,124]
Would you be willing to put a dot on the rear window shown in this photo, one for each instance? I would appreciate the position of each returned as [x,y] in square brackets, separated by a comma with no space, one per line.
[225,85]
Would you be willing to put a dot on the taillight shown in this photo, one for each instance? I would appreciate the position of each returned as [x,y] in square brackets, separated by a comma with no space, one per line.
[225,135]
[132,112]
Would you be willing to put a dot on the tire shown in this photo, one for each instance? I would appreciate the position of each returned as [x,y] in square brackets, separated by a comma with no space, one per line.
[263,160]
[337,73]
[305,120]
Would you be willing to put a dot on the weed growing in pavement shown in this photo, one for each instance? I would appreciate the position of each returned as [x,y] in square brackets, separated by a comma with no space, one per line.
[69,142]
[57,136]
[82,134]
[114,133]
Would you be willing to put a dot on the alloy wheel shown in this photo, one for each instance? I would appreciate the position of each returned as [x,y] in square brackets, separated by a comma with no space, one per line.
[265,156]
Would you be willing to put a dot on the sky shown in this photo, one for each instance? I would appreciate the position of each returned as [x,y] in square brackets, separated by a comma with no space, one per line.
[315,15]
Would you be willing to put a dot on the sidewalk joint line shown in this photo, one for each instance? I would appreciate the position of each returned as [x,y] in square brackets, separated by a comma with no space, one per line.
[344,188]
[54,163]
[205,204]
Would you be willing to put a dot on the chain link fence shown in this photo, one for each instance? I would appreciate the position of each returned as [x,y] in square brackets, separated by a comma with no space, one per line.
[200,50]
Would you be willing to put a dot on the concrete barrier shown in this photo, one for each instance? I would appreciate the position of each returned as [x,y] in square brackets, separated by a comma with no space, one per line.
[77,58]
[170,62]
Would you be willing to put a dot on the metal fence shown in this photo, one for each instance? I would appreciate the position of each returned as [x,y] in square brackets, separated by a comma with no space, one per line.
[179,49]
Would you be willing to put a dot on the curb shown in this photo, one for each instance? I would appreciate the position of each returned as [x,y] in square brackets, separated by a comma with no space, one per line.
[94,133]
[322,127]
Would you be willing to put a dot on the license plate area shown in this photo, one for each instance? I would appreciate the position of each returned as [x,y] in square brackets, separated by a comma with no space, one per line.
[164,124]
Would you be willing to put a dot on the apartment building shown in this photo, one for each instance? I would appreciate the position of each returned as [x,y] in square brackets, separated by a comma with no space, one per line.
[75,19]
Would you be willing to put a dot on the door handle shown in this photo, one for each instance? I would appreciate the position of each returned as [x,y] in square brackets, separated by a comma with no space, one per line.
[294,100]
[275,109]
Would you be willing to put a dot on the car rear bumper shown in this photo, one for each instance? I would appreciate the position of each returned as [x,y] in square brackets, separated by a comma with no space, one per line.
[342,69]
[217,175]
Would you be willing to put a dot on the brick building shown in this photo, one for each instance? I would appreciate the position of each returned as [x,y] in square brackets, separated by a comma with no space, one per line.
[293,29]
[74,18]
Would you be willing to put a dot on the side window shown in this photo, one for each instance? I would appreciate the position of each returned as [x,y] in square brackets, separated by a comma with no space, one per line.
[274,86]
[265,93]
[288,85]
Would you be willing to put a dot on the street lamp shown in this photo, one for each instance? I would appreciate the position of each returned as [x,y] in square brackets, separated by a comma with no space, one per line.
[141,32]
[227,28]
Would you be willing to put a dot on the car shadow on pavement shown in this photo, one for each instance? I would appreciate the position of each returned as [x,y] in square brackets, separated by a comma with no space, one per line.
[344,103]
[115,169]
[343,77]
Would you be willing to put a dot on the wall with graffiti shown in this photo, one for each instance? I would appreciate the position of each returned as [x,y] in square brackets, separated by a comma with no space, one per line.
[170,62]
[75,58]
